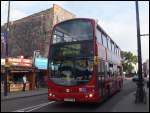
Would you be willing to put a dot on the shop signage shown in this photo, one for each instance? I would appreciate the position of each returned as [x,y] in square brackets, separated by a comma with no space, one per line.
[20,62]
[41,63]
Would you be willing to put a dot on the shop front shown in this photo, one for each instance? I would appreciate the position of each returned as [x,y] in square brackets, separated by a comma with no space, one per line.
[15,79]
[19,68]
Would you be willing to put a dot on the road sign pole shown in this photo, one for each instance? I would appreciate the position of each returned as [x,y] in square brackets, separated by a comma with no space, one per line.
[6,67]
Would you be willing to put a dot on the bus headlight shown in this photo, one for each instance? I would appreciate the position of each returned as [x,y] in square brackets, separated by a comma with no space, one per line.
[50,94]
[90,95]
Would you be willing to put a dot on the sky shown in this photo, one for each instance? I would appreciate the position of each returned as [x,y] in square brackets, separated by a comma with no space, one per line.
[117,18]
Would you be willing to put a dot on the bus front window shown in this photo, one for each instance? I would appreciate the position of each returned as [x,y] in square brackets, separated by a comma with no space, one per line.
[72,31]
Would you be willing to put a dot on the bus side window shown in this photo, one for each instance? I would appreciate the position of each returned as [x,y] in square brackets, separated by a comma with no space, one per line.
[111,73]
[106,70]
[99,36]
[101,68]
[98,68]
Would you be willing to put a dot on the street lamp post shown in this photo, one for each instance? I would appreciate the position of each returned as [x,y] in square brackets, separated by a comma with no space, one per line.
[140,93]
[7,65]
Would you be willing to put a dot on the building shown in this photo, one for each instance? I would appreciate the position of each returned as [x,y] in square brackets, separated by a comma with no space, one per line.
[34,32]
[146,68]
[135,70]
[25,36]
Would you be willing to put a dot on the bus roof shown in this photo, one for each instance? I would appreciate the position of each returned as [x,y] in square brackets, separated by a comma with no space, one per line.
[99,27]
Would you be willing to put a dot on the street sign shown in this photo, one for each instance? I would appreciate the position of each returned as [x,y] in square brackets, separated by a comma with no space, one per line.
[41,63]
[3,37]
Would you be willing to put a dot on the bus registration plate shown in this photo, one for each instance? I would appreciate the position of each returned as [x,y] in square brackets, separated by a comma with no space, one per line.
[69,99]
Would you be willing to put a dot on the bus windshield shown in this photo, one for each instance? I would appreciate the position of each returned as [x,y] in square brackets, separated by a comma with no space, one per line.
[73,30]
[71,64]
[71,53]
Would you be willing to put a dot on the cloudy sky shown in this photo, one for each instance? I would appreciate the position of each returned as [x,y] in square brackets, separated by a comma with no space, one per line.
[116,17]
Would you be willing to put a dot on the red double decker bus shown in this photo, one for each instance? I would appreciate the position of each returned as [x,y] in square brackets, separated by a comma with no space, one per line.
[84,63]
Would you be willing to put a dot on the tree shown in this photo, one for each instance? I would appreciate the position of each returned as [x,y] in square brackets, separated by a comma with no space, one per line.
[128,59]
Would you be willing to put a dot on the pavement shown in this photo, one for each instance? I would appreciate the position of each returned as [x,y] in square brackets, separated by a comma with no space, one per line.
[21,94]
[127,104]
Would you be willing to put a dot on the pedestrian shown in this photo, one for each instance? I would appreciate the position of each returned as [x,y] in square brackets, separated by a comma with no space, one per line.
[24,82]
[36,80]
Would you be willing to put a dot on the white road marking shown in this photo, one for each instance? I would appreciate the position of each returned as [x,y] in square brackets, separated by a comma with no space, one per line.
[28,109]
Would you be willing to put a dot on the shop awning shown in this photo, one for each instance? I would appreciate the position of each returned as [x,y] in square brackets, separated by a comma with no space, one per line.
[20,71]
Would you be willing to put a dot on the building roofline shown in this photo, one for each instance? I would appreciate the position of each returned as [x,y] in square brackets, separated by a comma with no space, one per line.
[36,14]
[32,15]
[64,10]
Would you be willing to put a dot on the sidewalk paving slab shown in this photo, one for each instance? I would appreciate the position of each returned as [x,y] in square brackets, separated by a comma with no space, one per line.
[14,95]
[127,104]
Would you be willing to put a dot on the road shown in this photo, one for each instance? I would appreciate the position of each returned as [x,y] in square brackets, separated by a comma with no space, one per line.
[41,104]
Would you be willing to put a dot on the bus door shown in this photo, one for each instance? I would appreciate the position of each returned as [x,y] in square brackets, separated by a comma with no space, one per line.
[101,77]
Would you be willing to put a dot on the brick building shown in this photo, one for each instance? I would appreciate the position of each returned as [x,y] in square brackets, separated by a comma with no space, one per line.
[34,32]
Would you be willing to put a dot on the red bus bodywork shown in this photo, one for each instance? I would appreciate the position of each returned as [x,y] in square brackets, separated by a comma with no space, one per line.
[89,92]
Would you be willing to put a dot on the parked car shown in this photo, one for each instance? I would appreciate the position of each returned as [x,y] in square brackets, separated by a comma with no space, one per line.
[135,78]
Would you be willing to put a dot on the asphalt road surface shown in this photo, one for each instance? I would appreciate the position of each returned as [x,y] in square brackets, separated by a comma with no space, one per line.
[41,104]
